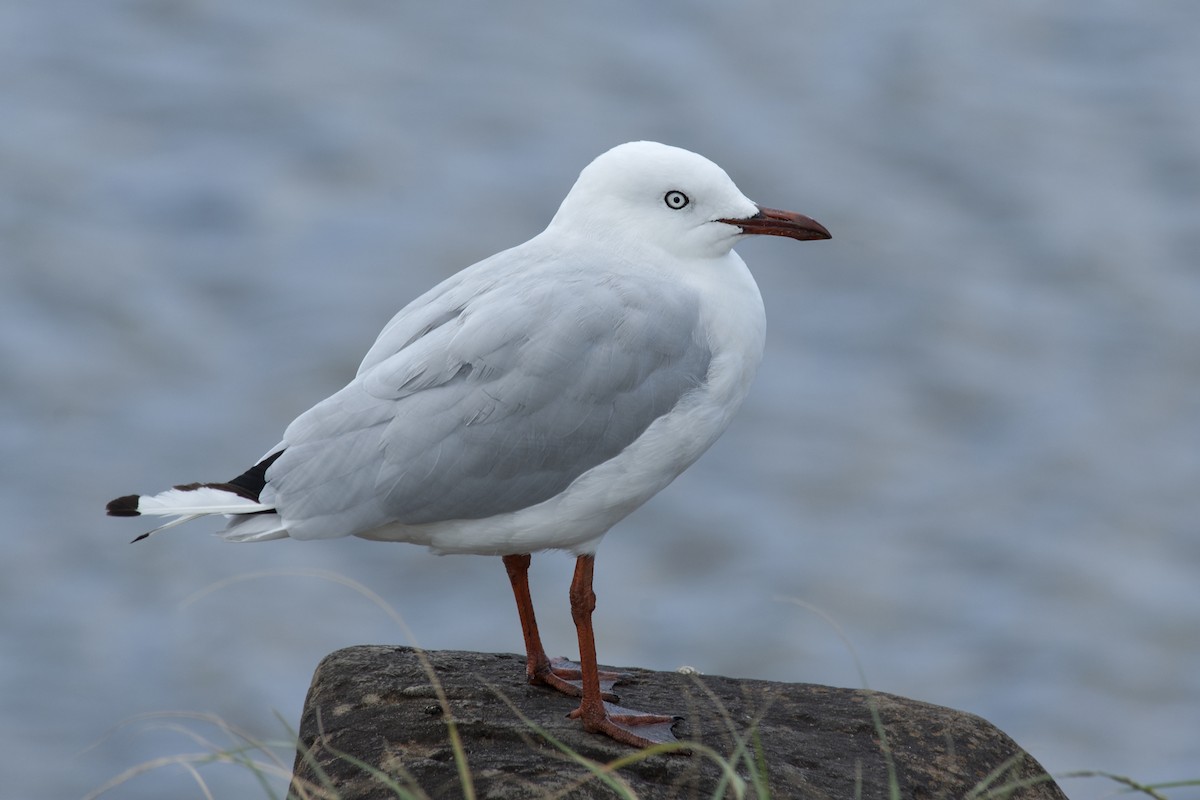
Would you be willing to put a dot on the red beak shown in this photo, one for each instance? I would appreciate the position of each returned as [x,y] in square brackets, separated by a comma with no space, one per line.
[773,222]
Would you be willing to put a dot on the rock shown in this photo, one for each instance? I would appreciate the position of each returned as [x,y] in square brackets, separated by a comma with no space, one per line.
[373,716]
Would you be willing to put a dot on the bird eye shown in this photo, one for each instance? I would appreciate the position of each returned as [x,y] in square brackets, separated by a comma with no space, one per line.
[676,199]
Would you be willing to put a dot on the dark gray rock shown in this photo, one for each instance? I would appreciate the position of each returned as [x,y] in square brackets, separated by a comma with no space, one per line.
[373,716]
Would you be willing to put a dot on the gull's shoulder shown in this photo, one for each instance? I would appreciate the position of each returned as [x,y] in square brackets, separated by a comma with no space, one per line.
[448,299]
[545,270]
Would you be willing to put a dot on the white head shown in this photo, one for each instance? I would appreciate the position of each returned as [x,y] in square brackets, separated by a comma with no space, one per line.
[655,194]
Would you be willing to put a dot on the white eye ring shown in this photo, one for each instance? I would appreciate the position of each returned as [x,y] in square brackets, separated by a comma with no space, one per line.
[675,199]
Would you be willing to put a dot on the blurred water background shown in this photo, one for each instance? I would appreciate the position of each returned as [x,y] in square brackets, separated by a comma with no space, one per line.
[974,442]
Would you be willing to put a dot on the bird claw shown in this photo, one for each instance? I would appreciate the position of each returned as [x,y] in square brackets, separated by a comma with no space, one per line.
[634,728]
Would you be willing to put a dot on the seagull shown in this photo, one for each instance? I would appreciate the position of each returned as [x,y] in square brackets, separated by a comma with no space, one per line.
[533,400]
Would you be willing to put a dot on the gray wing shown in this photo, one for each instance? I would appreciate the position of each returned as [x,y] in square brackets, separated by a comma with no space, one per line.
[495,401]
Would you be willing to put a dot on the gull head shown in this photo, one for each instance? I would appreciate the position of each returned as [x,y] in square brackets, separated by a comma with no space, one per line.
[651,194]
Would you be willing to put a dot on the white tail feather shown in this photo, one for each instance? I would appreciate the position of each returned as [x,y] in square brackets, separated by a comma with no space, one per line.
[198,502]
[257,528]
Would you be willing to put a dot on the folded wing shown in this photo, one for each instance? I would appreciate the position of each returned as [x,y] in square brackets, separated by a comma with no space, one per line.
[494,401]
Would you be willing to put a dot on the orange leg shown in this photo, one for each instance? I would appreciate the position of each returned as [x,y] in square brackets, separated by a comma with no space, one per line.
[557,673]
[623,724]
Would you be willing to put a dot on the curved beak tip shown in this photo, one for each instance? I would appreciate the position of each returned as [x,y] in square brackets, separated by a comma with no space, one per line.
[774,222]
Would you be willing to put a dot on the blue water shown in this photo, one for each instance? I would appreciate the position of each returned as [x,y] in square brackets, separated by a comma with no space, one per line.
[973,442]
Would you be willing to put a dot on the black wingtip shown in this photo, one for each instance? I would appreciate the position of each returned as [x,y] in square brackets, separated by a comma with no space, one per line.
[138,539]
[126,506]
